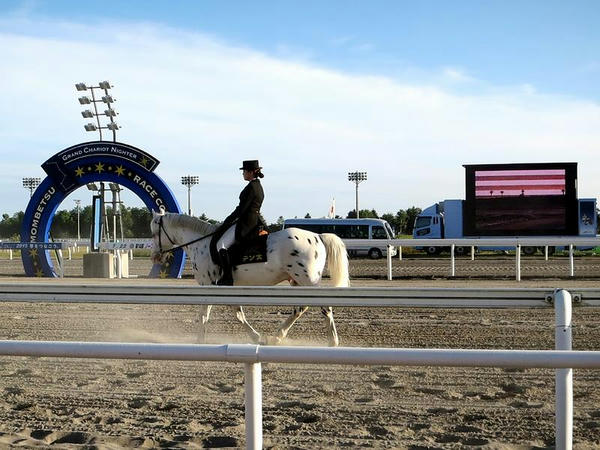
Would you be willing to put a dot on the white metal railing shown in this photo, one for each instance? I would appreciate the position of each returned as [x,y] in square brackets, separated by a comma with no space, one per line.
[517,243]
[563,359]
[253,355]
[170,293]
[514,242]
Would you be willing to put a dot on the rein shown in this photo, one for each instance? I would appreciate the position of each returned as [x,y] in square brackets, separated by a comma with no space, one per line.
[161,227]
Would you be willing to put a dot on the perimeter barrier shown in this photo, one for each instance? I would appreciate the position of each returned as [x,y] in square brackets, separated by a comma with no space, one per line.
[562,359]
[570,243]
[516,243]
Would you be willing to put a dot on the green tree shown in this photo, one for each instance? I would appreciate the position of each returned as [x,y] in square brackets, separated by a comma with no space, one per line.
[10,226]
[140,226]
[364,214]
[411,215]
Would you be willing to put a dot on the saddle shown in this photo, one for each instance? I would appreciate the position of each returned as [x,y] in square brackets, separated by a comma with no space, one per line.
[248,252]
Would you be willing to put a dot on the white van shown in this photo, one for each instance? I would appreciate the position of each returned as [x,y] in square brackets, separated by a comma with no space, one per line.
[350,229]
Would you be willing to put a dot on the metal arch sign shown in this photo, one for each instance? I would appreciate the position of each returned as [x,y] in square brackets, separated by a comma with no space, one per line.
[85,163]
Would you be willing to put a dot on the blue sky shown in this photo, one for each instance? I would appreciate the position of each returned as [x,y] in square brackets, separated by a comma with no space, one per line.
[408,91]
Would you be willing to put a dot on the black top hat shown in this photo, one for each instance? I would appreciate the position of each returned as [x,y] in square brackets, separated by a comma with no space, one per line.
[250,165]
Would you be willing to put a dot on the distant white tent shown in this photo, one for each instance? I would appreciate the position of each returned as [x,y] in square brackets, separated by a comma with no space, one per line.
[331,214]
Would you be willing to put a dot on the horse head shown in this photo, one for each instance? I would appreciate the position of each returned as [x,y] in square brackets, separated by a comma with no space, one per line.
[161,240]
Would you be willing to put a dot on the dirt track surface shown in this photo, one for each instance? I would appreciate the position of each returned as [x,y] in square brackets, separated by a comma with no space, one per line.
[81,403]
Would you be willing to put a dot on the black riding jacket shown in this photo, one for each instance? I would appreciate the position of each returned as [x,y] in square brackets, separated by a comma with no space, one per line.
[247,212]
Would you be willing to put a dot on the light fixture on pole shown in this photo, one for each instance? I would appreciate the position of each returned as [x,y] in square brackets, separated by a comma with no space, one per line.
[189,181]
[88,114]
[31,184]
[78,203]
[357,177]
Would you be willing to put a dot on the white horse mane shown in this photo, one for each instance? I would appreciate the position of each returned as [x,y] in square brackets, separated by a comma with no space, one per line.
[191,223]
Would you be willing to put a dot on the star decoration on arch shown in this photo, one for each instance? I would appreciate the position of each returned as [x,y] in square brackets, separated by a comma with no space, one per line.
[79,172]
[120,171]
[99,167]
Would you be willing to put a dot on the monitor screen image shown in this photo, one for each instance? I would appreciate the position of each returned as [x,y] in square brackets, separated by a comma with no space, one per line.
[521,200]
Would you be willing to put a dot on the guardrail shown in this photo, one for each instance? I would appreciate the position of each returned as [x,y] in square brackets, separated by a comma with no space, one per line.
[516,242]
[563,359]
[176,294]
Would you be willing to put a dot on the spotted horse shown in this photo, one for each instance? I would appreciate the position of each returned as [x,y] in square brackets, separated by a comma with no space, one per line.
[293,255]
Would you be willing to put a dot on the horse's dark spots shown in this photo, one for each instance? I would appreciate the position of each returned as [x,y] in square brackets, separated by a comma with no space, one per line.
[305,271]
[297,274]
[245,270]
[290,237]
[296,237]
[300,264]
[295,253]
[319,273]
[316,254]
[289,265]
[309,243]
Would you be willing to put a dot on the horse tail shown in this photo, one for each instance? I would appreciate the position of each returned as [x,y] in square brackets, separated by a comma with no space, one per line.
[337,259]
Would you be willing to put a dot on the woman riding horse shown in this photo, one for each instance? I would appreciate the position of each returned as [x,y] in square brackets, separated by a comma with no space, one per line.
[243,223]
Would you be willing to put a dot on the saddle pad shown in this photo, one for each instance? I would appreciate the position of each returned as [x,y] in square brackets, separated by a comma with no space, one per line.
[254,251]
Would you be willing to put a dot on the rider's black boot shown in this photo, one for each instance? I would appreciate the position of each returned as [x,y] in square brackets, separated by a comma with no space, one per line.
[227,277]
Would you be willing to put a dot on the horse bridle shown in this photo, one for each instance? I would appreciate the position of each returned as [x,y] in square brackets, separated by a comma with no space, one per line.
[161,227]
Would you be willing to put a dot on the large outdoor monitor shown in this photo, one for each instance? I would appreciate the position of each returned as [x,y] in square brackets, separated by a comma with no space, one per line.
[521,199]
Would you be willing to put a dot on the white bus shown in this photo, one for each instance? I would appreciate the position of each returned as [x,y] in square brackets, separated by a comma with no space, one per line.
[350,229]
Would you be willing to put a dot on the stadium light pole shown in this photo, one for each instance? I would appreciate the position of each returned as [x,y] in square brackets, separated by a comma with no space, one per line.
[110,113]
[78,203]
[356,178]
[189,181]
[31,183]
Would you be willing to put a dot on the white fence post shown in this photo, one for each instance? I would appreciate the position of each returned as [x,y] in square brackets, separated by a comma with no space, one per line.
[400,253]
[518,261]
[571,262]
[546,252]
[452,261]
[472,253]
[564,377]
[10,254]
[253,389]
[59,263]
[389,262]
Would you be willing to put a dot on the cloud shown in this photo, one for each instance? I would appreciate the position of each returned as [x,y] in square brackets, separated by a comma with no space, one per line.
[456,75]
[201,105]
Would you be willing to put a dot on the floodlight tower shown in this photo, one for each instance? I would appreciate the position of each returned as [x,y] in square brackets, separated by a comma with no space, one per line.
[110,112]
[357,177]
[189,181]
[31,184]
